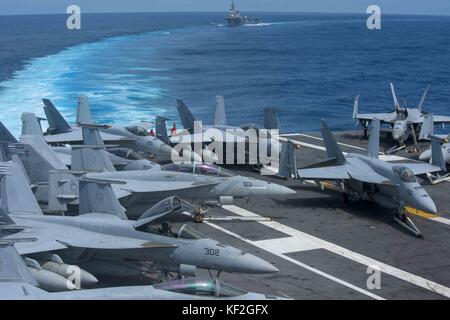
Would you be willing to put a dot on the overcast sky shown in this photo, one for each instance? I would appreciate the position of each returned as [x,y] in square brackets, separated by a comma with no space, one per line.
[387,6]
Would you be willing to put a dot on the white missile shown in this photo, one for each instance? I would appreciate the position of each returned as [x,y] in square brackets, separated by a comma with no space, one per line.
[85,279]
[51,281]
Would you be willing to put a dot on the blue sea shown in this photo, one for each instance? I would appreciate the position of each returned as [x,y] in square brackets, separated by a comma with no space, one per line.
[310,66]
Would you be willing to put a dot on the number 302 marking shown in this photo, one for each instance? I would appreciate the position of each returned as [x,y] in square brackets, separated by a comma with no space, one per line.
[212,252]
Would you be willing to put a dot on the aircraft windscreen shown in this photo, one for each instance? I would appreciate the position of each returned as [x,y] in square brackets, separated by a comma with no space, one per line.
[201,286]
[136,130]
[405,174]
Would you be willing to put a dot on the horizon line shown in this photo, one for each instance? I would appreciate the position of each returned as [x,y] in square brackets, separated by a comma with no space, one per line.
[221,12]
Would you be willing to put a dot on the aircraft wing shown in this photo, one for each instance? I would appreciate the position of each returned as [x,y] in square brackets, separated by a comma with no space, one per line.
[344,172]
[77,136]
[441,119]
[45,237]
[324,173]
[136,186]
[419,168]
[384,117]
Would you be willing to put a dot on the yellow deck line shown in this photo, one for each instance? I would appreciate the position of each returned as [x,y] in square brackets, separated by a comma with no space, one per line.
[420,213]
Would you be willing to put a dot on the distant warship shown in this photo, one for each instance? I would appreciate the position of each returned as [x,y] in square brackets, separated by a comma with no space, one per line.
[234,17]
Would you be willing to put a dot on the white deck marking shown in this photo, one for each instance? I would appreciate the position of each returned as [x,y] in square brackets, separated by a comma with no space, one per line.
[441,220]
[303,237]
[318,138]
[280,255]
[383,157]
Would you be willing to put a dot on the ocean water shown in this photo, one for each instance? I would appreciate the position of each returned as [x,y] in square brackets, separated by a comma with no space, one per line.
[310,66]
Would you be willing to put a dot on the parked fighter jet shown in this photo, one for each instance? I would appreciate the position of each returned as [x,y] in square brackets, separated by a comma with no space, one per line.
[405,122]
[133,137]
[17,283]
[222,133]
[101,239]
[54,185]
[390,185]
[427,133]
[149,186]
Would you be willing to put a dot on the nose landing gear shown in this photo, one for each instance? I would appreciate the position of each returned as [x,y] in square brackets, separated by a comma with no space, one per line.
[402,218]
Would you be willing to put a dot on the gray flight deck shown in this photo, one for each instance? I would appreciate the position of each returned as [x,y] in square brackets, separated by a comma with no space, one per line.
[323,249]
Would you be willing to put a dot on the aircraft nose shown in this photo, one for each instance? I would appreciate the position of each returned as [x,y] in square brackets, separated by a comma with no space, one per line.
[428,205]
[254,265]
[425,156]
[279,190]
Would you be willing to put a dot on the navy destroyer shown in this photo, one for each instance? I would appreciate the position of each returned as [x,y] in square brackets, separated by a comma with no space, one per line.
[234,17]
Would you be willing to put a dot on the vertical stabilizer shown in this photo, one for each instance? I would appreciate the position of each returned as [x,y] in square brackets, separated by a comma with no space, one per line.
[422,100]
[373,148]
[98,196]
[56,122]
[288,160]
[84,113]
[31,125]
[437,158]
[187,119]
[426,130]
[220,116]
[16,195]
[271,121]
[161,129]
[333,149]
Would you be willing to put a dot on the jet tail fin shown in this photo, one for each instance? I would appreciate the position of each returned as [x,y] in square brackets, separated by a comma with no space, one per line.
[333,149]
[374,139]
[38,158]
[220,116]
[98,196]
[394,96]
[288,161]
[187,119]
[13,267]
[356,107]
[271,121]
[91,158]
[84,113]
[15,191]
[56,122]
[426,130]
[437,158]
[5,135]
[161,129]
[31,124]
[422,100]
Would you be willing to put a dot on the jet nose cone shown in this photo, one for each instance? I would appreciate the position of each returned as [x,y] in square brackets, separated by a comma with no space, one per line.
[279,190]
[255,265]
[425,156]
[428,206]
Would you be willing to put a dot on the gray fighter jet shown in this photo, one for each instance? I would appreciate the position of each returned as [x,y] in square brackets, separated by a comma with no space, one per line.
[17,283]
[222,133]
[134,137]
[427,133]
[405,122]
[53,184]
[101,240]
[365,176]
